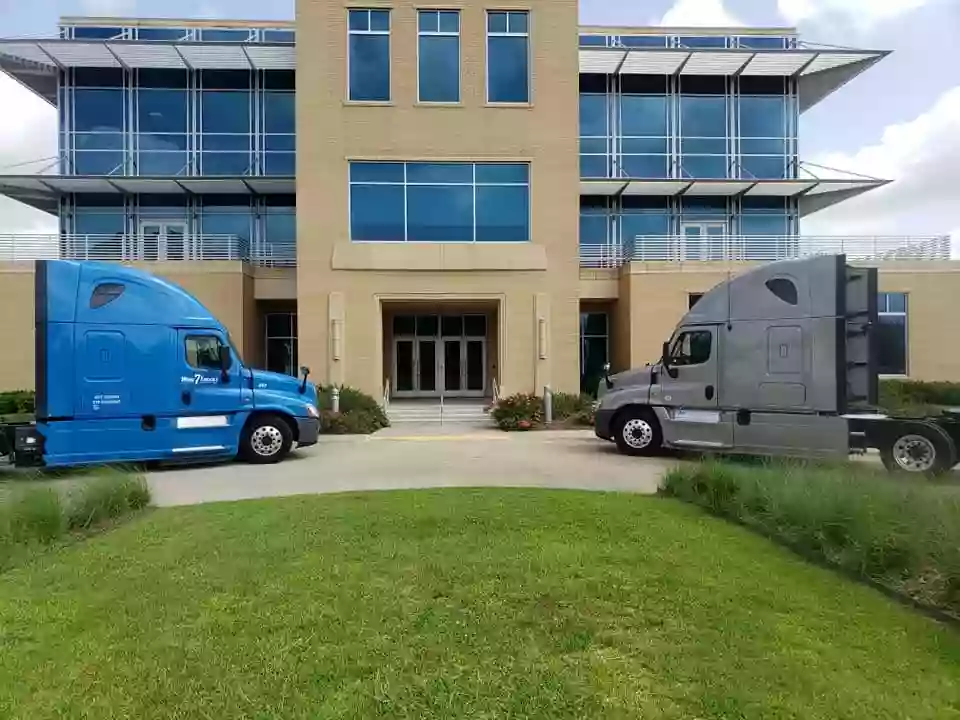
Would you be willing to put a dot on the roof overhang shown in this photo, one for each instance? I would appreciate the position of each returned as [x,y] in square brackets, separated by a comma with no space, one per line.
[818,71]
[813,194]
[35,63]
[44,191]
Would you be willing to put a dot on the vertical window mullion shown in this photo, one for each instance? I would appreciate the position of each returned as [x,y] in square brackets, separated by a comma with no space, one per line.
[406,229]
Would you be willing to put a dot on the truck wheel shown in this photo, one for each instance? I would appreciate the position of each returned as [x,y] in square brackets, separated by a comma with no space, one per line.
[637,432]
[918,450]
[266,439]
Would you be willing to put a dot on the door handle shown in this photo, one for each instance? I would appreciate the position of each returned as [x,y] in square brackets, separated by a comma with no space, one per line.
[186,397]
[708,392]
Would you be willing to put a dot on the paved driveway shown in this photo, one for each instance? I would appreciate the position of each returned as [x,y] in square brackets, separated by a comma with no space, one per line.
[399,458]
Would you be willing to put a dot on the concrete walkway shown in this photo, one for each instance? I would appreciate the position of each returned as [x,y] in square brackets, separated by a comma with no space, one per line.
[419,457]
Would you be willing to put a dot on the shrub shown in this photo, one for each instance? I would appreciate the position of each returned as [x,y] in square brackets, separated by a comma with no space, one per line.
[901,533]
[915,398]
[573,409]
[359,413]
[17,402]
[523,411]
[39,514]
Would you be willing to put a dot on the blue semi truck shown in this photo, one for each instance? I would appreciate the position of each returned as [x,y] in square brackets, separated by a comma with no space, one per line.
[132,368]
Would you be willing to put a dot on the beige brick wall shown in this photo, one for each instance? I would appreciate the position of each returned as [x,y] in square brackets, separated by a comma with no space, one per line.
[527,285]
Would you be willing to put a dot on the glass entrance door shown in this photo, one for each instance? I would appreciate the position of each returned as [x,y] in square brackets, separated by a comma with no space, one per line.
[704,241]
[436,355]
[164,240]
[415,367]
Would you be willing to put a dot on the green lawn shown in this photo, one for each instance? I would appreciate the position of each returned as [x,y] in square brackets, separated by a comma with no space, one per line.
[445,604]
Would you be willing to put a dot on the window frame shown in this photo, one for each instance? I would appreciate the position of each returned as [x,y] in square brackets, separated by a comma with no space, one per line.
[486,59]
[195,336]
[441,33]
[676,342]
[475,184]
[883,304]
[388,32]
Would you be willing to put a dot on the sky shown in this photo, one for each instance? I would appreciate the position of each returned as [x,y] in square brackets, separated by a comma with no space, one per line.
[900,120]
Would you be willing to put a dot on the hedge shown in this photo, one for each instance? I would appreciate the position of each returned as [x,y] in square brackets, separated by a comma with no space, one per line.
[359,413]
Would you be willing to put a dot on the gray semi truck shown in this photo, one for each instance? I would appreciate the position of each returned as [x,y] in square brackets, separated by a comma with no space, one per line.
[777,361]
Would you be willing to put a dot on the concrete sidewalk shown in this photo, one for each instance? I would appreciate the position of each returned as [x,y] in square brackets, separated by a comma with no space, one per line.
[420,457]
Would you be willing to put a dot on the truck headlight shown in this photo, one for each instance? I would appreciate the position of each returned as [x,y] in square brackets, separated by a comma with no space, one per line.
[312,411]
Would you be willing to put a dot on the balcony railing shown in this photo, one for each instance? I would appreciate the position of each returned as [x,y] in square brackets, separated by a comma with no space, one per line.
[147,248]
[763,248]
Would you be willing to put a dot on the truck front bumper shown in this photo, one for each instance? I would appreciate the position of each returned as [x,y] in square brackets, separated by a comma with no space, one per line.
[308,430]
[603,424]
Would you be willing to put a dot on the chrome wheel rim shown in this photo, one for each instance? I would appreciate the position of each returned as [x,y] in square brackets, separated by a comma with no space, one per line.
[266,440]
[637,433]
[914,453]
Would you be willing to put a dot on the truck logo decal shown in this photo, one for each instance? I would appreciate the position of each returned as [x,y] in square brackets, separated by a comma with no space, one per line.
[198,379]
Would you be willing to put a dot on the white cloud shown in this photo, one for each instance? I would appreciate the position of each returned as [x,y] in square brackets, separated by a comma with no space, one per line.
[699,13]
[922,156]
[109,8]
[859,13]
[26,137]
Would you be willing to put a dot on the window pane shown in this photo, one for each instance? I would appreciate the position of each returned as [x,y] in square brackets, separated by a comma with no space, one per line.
[208,35]
[763,225]
[279,325]
[750,146]
[517,22]
[98,141]
[427,325]
[162,111]
[646,146]
[439,173]
[280,163]
[503,214]
[892,345]
[703,146]
[644,225]
[380,20]
[594,351]
[376,212]
[594,166]
[508,74]
[764,167]
[692,348]
[203,352]
[99,223]
[280,227]
[225,111]
[162,163]
[763,116]
[704,42]
[404,325]
[439,213]
[593,324]
[449,21]
[644,115]
[428,21]
[475,325]
[359,19]
[593,229]
[645,166]
[279,112]
[703,116]
[593,115]
[225,163]
[376,172]
[280,143]
[896,302]
[439,68]
[451,325]
[236,222]
[643,41]
[98,110]
[161,34]
[98,163]
[370,67]
[502,173]
[704,166]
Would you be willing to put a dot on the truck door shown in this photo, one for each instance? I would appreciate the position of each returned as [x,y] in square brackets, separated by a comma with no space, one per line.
[209,397]
[687,395]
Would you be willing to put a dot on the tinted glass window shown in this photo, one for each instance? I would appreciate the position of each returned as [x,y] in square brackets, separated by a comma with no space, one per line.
[369,58]
[106,293]
[203,351]
[439,56]
[784,289]
[508,62]
[692,347]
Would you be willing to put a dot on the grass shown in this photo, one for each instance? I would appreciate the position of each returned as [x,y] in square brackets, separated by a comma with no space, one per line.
[457,603]
[900,532]
[35,513]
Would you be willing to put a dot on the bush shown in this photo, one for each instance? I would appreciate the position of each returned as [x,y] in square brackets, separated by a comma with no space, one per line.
[17,402]
[34,514]
[523,411]
[573,409]
[359,413]
[916,398]
[903,534]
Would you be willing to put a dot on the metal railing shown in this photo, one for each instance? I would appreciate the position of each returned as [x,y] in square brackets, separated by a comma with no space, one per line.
[146,248]
[763,248]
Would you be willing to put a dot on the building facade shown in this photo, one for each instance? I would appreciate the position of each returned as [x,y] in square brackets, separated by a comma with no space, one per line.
[462,200]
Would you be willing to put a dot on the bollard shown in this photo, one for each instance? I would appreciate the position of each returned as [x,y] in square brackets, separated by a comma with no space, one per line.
[548,405]
[335,393]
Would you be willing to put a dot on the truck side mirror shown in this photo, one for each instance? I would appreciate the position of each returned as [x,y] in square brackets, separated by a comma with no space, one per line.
[305,371]
[665,360]
[606,376]
[226,361]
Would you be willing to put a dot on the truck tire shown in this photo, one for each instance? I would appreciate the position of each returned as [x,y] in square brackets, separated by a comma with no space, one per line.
[637,432]
[266,439]
[918,449]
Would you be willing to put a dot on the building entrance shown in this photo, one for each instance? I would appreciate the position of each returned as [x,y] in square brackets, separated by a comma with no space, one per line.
[436,355]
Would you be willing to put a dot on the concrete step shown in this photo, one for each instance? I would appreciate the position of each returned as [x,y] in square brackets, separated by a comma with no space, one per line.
[430,413]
